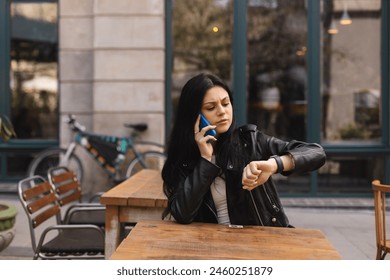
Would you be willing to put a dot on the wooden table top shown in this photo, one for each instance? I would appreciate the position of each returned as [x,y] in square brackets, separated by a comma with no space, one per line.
[152,239]
[144,189]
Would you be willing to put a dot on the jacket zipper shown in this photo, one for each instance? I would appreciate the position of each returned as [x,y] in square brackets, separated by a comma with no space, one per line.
[274,206]
[257,210]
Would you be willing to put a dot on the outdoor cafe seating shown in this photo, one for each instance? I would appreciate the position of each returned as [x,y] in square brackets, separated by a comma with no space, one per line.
[50,239]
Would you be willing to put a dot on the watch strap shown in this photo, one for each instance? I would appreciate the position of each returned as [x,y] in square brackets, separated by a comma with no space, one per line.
[279,163]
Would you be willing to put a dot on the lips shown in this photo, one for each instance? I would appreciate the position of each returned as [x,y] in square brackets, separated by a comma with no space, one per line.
[224,121]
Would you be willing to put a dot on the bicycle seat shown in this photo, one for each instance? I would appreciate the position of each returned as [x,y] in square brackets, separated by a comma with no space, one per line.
[138,126]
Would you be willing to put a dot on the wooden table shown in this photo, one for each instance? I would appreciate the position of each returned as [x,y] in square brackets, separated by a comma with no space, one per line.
[156,239]
[139,197]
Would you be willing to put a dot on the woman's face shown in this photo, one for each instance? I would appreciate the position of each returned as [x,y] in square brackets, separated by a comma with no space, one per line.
[217,108]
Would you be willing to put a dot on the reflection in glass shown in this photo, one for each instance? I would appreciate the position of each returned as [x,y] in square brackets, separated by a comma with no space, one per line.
[350,174]
[202,33]
[277,47]
[351,71]
[34,85]
[277,99]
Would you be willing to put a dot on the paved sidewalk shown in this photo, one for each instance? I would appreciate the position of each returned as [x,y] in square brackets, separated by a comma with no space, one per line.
[348,223]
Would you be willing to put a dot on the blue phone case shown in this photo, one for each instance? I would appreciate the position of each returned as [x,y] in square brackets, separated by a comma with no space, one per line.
[204,122]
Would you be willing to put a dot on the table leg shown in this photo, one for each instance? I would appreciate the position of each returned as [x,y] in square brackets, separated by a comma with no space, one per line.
[112,237]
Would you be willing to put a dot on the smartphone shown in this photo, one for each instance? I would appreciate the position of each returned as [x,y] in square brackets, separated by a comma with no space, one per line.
[204,122]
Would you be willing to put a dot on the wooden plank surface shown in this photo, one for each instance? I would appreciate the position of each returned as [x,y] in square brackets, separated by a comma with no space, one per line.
[149,191]
[155,239]
[144,189]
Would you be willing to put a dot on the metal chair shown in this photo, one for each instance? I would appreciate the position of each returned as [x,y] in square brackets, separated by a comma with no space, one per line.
[56,241]
[382,241]
[69,195]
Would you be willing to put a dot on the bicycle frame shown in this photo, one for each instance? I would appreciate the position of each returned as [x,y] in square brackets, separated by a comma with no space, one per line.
[107,150]
[69,151]
[122,146]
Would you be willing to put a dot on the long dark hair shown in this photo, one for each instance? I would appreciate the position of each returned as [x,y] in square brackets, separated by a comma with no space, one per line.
[182,148]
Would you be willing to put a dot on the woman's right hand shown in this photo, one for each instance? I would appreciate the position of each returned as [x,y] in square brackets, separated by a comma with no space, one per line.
[204,142]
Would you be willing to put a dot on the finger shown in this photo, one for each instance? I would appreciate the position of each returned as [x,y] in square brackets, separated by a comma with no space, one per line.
[209,138]
[248,188]
[207,128]
[196,127]
[246,175]
[249,172]
[254,169]
[249,182]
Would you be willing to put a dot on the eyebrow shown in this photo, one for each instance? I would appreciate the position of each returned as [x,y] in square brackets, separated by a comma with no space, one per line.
[213,102]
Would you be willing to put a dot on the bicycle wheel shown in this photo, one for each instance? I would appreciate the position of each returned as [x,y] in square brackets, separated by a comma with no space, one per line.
[147,160]
[52,158]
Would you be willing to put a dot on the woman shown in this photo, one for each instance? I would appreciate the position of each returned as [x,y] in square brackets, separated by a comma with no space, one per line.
[226,178]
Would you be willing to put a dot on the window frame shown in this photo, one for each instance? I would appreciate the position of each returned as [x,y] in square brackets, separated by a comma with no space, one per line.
[314,84]
[14,145]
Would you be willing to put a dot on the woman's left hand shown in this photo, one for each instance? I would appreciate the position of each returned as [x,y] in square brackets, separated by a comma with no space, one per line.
[257,173]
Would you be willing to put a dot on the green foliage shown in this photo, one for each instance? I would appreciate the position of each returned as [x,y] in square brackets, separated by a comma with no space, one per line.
[196,45]
[6,129]
[352,131]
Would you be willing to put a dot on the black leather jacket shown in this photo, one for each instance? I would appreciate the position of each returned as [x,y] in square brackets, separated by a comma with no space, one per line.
[192,200]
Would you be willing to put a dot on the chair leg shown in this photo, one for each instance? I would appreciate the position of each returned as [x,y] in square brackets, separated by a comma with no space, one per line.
[379,255]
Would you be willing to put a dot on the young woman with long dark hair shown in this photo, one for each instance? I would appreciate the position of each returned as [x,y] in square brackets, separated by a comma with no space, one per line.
[227,178]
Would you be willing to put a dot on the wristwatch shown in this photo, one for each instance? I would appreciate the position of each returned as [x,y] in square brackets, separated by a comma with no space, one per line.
[279,163]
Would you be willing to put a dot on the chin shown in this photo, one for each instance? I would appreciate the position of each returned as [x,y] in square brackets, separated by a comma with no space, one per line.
[222,130]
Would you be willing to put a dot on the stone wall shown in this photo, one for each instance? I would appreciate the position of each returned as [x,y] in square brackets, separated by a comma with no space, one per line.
[111,69]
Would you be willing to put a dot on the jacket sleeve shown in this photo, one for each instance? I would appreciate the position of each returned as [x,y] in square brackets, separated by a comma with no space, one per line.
[185,202]
[307,156]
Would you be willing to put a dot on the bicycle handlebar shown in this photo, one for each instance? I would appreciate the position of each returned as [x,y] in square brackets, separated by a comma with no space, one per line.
[74,125]
[138,126]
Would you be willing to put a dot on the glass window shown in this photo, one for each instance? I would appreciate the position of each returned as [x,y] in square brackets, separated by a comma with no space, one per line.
[350,65]
[202,40]
[350,174]
[34,70]
[277,46]
[17,163]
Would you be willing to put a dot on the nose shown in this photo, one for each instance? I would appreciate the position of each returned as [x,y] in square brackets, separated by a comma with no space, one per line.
[220,109]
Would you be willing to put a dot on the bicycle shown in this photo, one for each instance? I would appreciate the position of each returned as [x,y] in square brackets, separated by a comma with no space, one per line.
[107,150]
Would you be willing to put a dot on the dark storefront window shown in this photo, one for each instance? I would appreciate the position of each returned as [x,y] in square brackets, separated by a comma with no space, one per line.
[34,70]
[313,72]
[351,94]
[351,71]
[202,40]
[345,174]
[28,81]
[277,47]
[277,99]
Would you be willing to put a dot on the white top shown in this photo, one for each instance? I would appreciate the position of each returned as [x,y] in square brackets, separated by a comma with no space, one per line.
[218,192]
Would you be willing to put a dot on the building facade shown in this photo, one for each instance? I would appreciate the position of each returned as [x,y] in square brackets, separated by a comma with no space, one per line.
[309,70]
